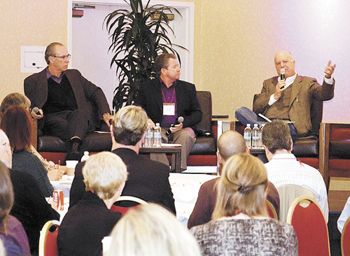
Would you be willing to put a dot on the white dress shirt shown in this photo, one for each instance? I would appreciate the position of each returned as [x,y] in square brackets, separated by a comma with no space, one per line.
[345,214]
[284,169]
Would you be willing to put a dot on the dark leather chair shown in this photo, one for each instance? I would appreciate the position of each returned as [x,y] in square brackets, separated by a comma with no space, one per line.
[334,151]
[203,152]
[306,149]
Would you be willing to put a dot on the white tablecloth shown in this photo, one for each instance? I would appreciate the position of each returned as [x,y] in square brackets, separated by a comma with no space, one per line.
[184,186]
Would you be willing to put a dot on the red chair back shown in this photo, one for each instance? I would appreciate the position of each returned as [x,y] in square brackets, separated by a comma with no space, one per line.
[345,239]
[271,211]
[48,239]
[310,227]
[121,209]
[131,201]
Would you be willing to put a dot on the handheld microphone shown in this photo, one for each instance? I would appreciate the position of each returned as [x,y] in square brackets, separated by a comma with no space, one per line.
[168,133]
[282,76]
[37,111]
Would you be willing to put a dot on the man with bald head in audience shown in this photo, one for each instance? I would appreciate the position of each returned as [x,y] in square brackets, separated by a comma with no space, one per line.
[229,144]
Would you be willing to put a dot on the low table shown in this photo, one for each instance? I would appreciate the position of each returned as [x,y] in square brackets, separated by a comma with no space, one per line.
[168,149]
[259,153]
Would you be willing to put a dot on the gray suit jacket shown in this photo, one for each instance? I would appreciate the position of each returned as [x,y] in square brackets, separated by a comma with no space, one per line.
[89,97]
[303,91]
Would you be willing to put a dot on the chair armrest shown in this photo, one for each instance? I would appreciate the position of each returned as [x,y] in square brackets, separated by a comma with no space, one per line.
[34,138]
[224,124]
[324,151]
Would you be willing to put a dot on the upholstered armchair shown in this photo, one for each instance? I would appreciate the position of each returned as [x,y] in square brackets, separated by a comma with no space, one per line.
[203,152]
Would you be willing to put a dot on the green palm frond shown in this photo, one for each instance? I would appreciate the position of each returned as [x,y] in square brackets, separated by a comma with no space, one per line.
[136,40]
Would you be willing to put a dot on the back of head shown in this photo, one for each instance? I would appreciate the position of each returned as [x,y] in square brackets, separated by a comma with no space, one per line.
[162,61]
[17,124]
[276,136]
[241,188]
[14,99]
[151,230]
[104,173]
[6,195]
[5,150]
[129,125]
[231,143]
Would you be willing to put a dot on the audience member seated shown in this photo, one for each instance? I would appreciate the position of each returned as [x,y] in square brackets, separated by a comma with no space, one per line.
[65,102]
[240,224]
[229,144]
[30,206]
[151,230]
[344,216]
[147,179]
[16,123]
[87,222]
[11,230]
[283,167]
[288,96]
[55,172]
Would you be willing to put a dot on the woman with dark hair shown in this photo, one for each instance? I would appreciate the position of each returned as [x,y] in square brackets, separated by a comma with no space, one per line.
[30,206]
[12,233]
[240,224]
[54,172]
[17,124]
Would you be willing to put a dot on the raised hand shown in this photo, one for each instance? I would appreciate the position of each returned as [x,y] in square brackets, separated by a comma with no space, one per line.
[329,70]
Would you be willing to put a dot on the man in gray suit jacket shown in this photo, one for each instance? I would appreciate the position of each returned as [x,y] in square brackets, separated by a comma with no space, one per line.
[64,100]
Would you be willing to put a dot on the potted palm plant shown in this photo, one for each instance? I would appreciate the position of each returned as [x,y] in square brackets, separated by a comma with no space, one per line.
[138,35]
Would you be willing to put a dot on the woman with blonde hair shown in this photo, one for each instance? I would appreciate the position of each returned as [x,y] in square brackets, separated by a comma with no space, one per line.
[240,224]
[90,219]
[151,230]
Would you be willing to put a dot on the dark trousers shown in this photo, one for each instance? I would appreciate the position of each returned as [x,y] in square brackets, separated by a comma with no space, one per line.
[246,116]
[66,124]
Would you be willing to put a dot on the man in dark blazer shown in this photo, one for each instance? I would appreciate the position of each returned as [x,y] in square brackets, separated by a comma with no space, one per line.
[68,104]
[229,144]
[147,179]
[167,98]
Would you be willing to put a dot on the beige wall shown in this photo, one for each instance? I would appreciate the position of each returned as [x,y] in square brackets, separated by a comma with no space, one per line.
[230,51]
[26,22]
[235,41]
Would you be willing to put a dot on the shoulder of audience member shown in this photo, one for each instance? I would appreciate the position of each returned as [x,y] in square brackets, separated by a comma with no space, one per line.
[159,167]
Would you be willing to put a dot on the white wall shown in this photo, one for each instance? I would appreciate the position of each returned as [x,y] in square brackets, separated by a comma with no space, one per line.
[90,44]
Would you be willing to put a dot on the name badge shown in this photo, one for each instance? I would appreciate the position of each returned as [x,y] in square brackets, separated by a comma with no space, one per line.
[168,109]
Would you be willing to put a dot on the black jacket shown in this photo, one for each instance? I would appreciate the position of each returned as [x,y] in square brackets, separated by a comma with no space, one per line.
[187,106]
[30,206]
[147,179]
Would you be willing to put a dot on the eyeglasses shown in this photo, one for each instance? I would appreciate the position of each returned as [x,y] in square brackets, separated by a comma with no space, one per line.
[68,56]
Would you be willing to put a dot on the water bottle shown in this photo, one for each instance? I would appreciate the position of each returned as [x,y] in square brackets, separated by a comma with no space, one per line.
[157,136]
[260,136]
[85,156]
[248,136]
[255,137]
[148,138]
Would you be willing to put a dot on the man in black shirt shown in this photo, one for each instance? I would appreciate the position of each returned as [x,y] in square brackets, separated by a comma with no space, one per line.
[64,100]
